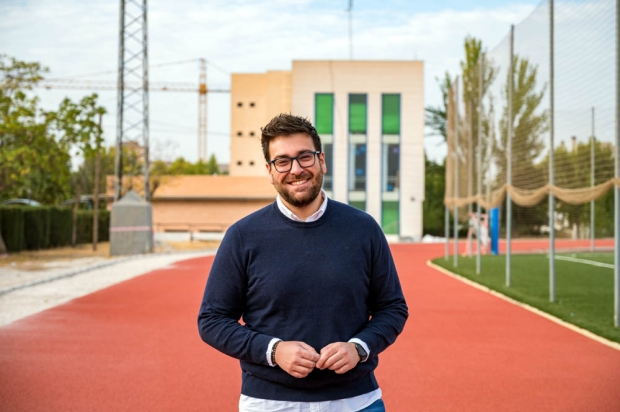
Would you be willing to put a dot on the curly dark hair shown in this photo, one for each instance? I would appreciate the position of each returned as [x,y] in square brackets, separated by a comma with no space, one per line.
[285,125]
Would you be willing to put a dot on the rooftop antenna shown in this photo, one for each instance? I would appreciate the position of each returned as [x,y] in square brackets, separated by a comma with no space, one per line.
[350,10]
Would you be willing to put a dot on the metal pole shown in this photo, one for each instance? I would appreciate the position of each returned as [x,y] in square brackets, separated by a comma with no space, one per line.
[592,205]
[479,155]
[447,231]
[118,156]
[456,173]
[509,158]
[616,188]
[551,166]
[145,103]
[350,10]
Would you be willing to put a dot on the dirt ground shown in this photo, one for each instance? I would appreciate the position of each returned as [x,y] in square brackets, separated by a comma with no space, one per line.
[39,259]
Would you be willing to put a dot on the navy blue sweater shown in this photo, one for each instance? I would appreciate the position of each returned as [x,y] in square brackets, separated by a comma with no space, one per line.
[321,282]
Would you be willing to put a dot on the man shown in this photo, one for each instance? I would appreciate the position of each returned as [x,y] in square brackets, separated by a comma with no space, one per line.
[315,284]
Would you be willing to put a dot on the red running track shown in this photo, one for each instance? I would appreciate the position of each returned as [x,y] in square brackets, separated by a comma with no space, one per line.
[135,347]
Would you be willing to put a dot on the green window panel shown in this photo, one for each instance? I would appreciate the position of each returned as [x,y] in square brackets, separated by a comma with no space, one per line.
[357,113]
[389,217]
[390,113]
[324,112]
[359,204]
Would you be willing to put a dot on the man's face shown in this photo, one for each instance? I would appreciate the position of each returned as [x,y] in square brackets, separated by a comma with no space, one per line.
[300,186]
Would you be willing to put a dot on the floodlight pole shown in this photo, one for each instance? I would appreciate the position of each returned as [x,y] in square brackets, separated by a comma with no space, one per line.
[509,158]
[551,161]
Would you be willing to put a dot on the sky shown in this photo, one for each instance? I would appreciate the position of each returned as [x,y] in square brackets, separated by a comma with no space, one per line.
[79,40]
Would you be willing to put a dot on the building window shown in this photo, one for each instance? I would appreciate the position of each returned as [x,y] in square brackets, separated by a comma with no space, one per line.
[390,163]
[328,178]
[239,133]
[239,104]
[252,104]
[390,113]
[252,134]
[357,113]
[251,162]
[389,217]
[239,163]
[324,113]
[357,150]
[357,171]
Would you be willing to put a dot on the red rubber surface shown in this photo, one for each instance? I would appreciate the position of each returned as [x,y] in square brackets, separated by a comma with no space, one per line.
[135,347]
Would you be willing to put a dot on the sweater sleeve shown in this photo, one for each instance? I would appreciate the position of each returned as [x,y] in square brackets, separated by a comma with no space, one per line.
[223,304]
[388,309]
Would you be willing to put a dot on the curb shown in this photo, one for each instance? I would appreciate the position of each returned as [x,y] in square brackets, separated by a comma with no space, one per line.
[99,266]
[581,331]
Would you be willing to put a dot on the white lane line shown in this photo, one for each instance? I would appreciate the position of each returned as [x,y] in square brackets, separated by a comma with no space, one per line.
[587,262]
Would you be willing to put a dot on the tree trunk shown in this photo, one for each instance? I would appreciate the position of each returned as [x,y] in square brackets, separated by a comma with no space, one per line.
[76,205]
[96,194]
[96,202]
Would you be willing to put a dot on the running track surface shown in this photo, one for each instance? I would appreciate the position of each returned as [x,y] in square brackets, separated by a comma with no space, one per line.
[135,347]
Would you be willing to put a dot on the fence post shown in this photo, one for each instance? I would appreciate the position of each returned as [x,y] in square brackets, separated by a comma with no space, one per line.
[456,173]
[551,161]
[592,182]
[509,157]
[479,156]
[617,174]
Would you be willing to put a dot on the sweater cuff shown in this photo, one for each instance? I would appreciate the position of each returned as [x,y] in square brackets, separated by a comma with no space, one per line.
[269,348]
[361,342]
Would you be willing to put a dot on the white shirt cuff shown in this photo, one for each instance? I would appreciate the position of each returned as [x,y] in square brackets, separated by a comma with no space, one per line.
[361,342]
[269,348]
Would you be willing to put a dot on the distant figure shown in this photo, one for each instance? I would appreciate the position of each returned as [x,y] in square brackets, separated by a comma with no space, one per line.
[473,231]
[315,284]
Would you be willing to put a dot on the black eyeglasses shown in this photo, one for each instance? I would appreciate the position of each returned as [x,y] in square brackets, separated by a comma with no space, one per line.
[305,160]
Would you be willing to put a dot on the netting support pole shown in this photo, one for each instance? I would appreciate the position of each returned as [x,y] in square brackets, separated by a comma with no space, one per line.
[617,173]
[456,173]
[551,161]
[447,230]
[592,182]
[509,157]
[479,157]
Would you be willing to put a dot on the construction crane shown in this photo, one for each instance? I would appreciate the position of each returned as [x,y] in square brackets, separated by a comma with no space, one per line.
[201,89]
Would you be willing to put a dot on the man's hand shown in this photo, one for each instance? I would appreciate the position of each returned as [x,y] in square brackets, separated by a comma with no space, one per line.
[340,357]
[297,359]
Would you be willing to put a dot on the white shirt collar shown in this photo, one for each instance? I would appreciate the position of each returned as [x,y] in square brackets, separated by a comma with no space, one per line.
[314,217]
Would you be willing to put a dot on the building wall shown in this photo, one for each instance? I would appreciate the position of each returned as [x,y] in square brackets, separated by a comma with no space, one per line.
[372,78]
[201,215]
[255,99]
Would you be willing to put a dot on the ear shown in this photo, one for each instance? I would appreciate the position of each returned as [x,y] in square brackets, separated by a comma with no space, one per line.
[269,172]
[322,162]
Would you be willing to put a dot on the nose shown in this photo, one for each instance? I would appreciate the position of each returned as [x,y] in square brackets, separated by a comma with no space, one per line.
[296,167]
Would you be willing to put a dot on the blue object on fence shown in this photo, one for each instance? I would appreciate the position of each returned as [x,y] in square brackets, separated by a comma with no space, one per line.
[495,231]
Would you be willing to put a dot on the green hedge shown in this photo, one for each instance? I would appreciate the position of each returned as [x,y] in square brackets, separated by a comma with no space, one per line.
[12,228]
[28,228]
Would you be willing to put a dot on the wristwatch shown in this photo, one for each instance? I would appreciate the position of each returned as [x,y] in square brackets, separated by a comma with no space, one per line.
[361,352]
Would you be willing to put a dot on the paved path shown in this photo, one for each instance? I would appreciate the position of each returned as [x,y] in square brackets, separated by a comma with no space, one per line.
[134,346]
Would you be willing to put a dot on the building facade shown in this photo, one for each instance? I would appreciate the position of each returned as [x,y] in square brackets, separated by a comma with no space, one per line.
[370,116]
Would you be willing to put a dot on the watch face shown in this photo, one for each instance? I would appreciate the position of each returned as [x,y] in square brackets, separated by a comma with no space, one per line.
[361,352]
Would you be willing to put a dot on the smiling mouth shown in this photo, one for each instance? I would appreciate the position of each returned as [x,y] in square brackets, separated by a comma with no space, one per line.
[298,182]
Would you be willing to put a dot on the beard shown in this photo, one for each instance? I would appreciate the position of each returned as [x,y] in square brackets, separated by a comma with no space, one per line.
[301,199]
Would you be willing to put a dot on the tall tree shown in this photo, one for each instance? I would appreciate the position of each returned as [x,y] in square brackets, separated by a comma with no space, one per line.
[33,162]
[436,117]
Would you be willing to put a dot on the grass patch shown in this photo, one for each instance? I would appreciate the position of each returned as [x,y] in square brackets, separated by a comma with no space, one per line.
[584,293]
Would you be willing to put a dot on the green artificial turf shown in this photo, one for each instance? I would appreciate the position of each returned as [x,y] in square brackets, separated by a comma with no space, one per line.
[583,293]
